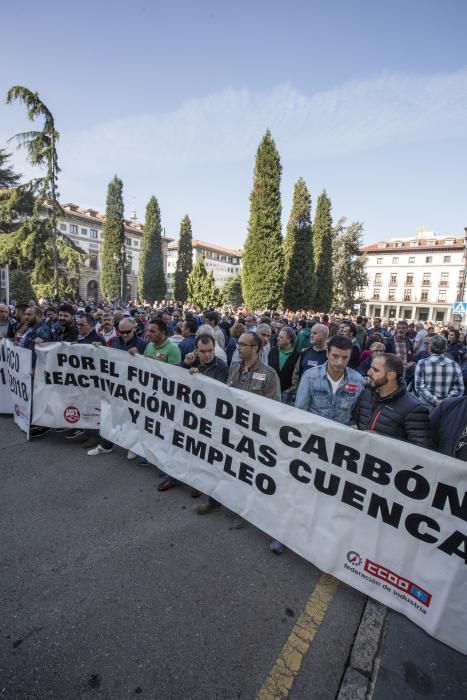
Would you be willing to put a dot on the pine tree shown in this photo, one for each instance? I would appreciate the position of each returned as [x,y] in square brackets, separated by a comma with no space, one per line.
[8,177]
[16,201]
[348,274]
[151,278]
[113,278]
[263,257]
[322,248]
[298,252]
[231,292]
[29,213]
[184,260]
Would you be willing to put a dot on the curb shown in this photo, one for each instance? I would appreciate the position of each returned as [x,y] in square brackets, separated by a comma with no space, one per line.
[357,681]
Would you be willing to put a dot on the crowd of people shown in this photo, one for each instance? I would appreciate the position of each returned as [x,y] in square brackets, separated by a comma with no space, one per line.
[397,378]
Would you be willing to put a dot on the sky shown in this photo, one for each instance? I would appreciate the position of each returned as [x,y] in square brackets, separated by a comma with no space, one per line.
[367,100]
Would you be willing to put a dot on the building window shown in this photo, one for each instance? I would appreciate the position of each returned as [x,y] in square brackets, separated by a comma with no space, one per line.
[93,261]
[127,241]
[407,295]
[409,279]
[378,278]
[73,228]
[393,279]
[442,296]
[395,261]
[376,294]
[392,295]
[426,279]
[379,261]
[84,232]
[93,233]
[413,244]
[446,258]
[135,243]
[424,295]
[429,259]
[412,259]
[444,281]
[62,227]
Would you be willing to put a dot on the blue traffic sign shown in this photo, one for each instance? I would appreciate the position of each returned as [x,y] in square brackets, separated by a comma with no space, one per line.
[460,307]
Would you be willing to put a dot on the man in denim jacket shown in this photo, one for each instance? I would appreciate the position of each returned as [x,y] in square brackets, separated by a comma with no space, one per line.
[331,390]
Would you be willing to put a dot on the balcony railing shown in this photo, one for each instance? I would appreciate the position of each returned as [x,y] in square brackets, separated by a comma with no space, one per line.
[443,283]
[409,282]
[426,283]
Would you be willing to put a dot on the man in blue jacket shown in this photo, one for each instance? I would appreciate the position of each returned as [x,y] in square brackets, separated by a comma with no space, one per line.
[331,390]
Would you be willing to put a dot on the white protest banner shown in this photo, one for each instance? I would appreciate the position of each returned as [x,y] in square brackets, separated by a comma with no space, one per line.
[18,362]
[375,512]
[6,405]
[67,383]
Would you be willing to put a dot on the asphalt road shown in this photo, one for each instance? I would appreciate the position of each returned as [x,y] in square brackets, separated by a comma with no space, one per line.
[110,589]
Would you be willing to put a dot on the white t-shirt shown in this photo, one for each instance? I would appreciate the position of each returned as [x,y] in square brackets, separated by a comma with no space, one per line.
[335,384]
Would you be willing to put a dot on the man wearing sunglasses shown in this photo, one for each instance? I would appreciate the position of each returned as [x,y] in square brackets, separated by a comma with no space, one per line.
[127,338]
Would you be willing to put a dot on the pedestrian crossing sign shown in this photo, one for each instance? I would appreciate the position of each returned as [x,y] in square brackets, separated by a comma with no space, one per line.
[460,307]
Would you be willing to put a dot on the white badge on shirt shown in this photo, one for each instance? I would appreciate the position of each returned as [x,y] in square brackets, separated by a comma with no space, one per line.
[258,375]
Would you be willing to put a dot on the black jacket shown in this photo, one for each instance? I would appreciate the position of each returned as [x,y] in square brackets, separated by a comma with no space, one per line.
[285,374]
[448,421]
[216,369]
[399,415]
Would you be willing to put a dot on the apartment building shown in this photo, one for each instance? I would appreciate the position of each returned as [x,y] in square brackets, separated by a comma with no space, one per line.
[223,263]
[84,227]
[416,278]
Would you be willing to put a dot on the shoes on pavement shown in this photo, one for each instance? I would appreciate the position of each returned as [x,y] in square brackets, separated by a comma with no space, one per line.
[194,493]
[238,522]
[166,485]
[89,442]
[205,508]
[75,434]
[143,461]
[99,450]
[38,431]
[277,547]
[60,430]
[131,455]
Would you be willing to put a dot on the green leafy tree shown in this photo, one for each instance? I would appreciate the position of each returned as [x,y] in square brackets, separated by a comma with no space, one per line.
[113,259]
[231,292]
[151,278]
[201,286]
[349,274]
[32,241]
[322,248]
[184,260]
[263,257]
[298,252]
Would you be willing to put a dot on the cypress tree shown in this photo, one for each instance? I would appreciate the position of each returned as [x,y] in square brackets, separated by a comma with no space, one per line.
[322,244]
[151,278]
[263,257]
[298,252]
[113,245]
[184,260]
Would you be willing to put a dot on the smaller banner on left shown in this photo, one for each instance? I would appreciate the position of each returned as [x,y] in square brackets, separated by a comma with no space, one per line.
[16,383]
